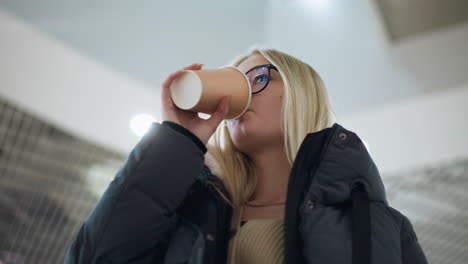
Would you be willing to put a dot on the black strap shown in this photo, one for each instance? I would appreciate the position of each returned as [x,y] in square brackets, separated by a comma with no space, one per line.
[361,225]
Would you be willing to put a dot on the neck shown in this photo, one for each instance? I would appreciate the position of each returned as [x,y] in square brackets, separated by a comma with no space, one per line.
[272,169]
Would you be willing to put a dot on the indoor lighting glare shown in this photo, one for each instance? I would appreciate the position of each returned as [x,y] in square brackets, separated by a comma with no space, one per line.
[141,123]
[319,5]
[367,146]
[204,116]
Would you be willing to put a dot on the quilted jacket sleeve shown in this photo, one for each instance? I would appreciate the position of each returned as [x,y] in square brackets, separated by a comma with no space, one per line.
[411,249]
[137,210]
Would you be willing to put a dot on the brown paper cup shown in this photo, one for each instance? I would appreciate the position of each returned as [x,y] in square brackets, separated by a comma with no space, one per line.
[201,90]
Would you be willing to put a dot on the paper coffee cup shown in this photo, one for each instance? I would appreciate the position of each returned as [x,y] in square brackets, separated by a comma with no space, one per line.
[201,90]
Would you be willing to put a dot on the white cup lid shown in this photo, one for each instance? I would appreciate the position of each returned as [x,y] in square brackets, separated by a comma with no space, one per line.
[186,91]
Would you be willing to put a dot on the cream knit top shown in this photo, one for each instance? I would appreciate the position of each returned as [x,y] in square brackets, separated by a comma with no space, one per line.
[257,241]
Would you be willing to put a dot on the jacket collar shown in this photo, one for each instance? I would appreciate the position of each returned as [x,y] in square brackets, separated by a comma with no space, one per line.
[344,161]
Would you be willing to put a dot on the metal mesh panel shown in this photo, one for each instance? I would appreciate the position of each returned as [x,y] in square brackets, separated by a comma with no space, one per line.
[435,199]
[47,186]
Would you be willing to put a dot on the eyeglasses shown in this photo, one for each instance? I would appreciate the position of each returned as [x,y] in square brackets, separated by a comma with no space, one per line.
[259,77]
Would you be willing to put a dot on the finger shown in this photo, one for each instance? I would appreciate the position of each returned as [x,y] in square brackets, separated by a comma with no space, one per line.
[221,111]
[193,66]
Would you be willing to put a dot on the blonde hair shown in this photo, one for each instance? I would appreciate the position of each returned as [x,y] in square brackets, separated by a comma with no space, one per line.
[306,108]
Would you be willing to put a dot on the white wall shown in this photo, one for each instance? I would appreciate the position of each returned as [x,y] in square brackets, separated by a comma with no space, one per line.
[145,38]
[70,90]
[420,131]
[49,73]
[403,125]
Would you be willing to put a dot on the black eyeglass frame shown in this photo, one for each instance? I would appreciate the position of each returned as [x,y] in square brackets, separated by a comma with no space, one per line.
[269,67]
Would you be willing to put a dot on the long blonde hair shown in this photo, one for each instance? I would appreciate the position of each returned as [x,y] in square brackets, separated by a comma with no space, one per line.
[306,108]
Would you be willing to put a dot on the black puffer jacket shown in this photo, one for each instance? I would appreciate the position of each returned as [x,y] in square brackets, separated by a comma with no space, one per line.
[160,209]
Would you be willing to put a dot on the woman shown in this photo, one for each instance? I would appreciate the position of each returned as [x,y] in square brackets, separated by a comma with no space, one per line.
[282,184]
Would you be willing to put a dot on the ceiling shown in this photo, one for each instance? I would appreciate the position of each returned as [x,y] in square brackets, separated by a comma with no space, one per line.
[147,40]
[405,18]
[143,39]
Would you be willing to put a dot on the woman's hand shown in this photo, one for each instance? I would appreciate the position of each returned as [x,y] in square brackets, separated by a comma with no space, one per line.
[190,120]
